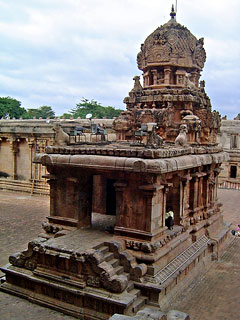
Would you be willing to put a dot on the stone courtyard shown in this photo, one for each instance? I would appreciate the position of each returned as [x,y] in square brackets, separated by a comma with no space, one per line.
[214,296]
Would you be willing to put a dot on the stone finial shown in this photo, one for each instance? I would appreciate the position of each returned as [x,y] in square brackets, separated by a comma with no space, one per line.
[173,13]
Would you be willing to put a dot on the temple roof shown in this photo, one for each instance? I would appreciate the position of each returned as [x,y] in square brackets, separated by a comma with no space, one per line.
[172,44]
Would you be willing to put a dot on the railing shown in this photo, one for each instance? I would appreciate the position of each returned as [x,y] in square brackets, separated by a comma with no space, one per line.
[229,185]
[92,138]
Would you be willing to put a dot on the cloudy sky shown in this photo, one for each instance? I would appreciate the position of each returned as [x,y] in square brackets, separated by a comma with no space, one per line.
[54,52]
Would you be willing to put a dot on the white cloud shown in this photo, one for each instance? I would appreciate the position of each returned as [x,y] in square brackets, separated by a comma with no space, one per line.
[57,52]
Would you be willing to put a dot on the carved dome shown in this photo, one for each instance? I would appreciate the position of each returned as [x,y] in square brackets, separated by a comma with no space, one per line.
[172,45]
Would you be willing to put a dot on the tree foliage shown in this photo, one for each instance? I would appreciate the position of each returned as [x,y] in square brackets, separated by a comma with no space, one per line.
[11,108]
[43,112]
[96,109]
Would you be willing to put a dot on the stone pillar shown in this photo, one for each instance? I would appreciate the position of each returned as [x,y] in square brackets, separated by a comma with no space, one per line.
[167,75]
[154,73]
[119,188]
[70,199]
[194,78]
[206,195]
[83,199]
[139,211]
[41,147]
[155,200]
[165,191]
[146,79]
[211,188]
[99,194]
[30,143]
[52,181]
[185,194]
[216,173]
[195,179]
[14,149]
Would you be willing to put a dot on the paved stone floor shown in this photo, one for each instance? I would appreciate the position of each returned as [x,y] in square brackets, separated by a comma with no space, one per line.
[216,296]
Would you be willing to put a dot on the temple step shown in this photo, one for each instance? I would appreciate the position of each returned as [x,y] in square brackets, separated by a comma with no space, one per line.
[127,275]
[135,292]
[114,262]
[103,249]
[109,257]
[138,304]
[164,274]
[130,286]
[119,270]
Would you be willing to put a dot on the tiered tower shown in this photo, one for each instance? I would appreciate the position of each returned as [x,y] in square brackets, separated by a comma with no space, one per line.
[171,59]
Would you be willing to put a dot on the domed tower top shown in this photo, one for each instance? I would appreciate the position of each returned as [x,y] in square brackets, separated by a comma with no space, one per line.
[171,55]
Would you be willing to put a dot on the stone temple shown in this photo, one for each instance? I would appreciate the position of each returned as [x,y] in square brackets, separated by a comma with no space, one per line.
[165,158]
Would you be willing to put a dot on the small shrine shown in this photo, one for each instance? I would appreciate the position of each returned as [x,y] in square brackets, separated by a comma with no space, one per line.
[164,162]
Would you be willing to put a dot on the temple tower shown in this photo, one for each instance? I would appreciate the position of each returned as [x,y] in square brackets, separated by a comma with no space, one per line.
[171,59]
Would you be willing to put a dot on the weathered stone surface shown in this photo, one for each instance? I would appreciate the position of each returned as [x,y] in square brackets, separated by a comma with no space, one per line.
[151,313]
[177,315]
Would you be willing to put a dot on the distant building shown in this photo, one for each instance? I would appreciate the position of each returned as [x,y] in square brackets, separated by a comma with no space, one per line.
[20,140]
[229,138]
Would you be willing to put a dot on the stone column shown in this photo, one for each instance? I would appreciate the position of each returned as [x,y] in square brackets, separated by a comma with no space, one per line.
[155,202]
[195,179]
[194,78]
[167,75]
[119,188]
[216,173]
[99,194]
[154,73]
[52,181]
[146,79]
[165,191]
[41,146]
[83,199]
[184,213]
[14,149]
[30,143]
[211,189]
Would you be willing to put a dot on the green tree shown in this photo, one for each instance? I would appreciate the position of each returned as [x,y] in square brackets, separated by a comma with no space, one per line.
[96,109]
[66,116]
[43,112]
[10,107]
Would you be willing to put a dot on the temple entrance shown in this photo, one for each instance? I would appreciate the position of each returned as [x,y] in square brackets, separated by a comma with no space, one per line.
[173,206]
[103,215]
[110,197]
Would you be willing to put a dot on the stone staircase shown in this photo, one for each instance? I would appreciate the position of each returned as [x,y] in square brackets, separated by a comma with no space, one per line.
[138,300]
[164,274]
[182,259]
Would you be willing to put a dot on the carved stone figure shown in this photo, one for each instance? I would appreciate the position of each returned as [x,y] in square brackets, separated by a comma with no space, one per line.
[154,140]
[61,137]
[137,85]
[181,140]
